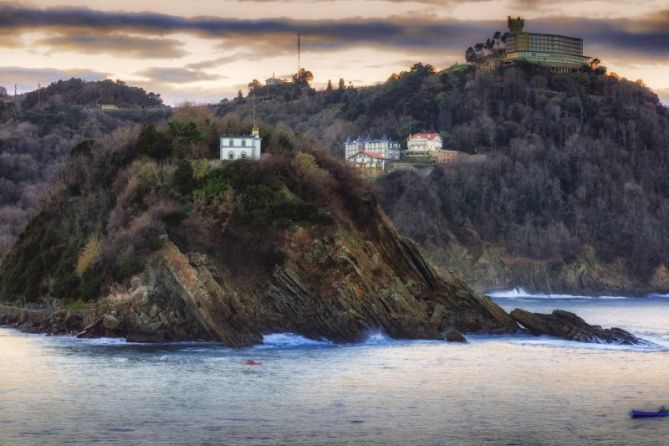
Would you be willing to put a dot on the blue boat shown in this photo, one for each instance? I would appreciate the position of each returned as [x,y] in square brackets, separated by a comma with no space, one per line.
[642,414]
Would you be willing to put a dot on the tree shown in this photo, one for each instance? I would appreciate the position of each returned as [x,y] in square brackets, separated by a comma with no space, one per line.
[152,143]
[253,86]
[303,77]
[329,87]
[342,84]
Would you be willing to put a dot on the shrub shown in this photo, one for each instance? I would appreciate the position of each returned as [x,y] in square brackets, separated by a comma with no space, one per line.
[89,255]
[125,267]
[152,143]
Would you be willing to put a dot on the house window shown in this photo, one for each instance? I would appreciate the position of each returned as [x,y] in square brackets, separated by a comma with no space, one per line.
[244,156]
[231,155]
[226,142]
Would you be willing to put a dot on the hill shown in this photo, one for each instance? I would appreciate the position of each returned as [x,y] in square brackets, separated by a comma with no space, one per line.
[38,131]
[155,245]
[573,195]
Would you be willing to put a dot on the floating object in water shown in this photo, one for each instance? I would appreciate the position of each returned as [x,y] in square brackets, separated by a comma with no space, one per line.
[251,362]
[642,414]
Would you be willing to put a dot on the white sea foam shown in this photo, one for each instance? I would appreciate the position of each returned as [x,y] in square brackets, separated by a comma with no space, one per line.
[520,293]
[288,340]
[99,341]
[377,337]
[547,341]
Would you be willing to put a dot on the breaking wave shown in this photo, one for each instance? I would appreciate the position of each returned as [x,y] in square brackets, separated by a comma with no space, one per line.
[520,293]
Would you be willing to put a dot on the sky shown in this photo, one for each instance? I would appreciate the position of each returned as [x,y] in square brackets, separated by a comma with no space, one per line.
[205,50]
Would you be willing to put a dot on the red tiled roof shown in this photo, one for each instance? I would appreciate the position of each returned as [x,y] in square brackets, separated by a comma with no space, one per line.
[369,154]
[424,136]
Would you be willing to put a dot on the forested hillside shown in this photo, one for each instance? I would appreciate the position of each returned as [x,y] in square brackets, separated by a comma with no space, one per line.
[573,196]
[38,131]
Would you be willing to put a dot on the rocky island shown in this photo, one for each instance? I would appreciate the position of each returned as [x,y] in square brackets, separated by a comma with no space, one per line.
[144,243]
[155,250]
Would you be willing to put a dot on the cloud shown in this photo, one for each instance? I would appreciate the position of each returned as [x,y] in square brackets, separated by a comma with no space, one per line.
[8,40]
[646,36]
[225,60]
[177,75]
[113,43]
[27,79]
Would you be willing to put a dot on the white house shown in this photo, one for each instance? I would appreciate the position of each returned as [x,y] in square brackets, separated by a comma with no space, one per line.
[241,147]
[384,147]
[275,80]
[424,143]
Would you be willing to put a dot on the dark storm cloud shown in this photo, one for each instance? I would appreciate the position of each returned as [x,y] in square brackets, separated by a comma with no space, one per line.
[646,37]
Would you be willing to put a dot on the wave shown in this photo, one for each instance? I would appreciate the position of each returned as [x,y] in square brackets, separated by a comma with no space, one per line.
[520,293]
[291,340]
[654,345]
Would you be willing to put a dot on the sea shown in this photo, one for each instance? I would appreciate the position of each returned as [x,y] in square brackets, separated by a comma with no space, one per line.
[494,390]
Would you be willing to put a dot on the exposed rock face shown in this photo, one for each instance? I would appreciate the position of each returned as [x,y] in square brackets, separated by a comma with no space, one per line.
[293,242]
[58,322]
[365,286]
[564,324]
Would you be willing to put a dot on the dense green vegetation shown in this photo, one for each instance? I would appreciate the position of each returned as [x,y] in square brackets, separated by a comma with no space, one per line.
[38,132]
[573,194]
[90,94]
[121,198]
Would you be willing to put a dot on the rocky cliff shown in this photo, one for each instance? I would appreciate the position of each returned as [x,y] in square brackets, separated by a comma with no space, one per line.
[231,251]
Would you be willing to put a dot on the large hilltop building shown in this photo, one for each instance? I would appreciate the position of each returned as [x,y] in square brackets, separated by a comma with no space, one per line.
[241,147]
[562,54]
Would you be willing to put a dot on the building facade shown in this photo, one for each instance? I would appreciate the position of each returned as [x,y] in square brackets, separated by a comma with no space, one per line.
[383,147]
[421,143]
[561,54]
[368,164]
[274,80]
[241,147]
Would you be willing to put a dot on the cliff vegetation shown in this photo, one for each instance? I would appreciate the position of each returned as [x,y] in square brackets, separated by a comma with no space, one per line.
[156,242]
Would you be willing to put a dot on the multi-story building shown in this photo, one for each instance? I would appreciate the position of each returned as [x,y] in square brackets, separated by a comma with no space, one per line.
[385,147]
[423,143]
[369,164]
[241,147]
[370,156]
[561,54]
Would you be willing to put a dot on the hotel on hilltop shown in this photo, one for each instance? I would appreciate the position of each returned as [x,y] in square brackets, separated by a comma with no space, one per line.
[561,54]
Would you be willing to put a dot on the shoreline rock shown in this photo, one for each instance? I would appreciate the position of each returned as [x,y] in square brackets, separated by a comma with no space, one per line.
[567,325]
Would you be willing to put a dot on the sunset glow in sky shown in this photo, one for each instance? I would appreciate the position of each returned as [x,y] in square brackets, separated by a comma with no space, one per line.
[204,50]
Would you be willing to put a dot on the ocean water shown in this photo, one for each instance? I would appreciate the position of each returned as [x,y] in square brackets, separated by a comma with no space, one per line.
[509,390]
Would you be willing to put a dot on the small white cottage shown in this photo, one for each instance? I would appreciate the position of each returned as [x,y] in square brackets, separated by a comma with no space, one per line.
[241,147]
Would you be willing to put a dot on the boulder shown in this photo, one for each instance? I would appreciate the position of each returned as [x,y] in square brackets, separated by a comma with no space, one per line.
[455,336]
[563,324]
[110,322]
